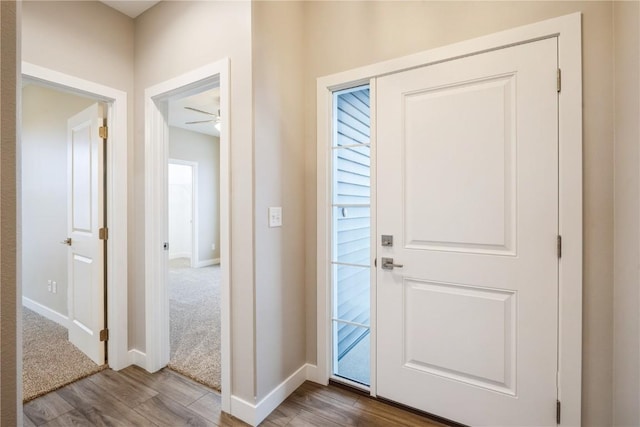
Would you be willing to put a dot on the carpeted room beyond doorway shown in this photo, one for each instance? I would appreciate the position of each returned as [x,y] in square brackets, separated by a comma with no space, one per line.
[194,310]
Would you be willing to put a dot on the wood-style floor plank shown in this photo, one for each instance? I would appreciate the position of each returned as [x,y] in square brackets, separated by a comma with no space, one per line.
[209,406]
[392,415]
[167,412]
[177,387]
[342,395]
[71,418]
[134,397]
[26,421]
[130,392]
[309,419]
[100,406]
[283,414]
[46,408]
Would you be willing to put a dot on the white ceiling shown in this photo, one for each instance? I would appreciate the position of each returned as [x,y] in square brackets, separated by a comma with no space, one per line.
[208,101]
[131,8]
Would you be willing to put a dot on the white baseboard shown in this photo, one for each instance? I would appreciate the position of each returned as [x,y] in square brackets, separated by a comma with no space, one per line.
[175,255]
[45,311]
[207,262]
[255,414]
[138,358]
[313,374]
[243,410]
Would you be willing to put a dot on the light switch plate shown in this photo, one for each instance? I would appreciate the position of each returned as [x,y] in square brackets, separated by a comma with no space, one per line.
[275,216]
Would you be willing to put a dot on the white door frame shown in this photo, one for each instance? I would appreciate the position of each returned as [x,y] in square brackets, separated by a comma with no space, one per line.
[194,208]
[567,30]
[116,199]
[156,161]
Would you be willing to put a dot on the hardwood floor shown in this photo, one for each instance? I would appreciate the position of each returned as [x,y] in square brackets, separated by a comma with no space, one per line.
[134,397]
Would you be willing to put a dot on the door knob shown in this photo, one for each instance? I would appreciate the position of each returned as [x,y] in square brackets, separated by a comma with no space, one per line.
[67,241]
[388,264]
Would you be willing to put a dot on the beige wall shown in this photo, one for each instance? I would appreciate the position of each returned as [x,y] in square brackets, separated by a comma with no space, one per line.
[626,320]
[344,35]
[45,113]
[279,181]
[173,38]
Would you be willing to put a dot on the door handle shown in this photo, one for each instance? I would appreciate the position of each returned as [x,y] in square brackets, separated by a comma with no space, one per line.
[67,241]
[388,264]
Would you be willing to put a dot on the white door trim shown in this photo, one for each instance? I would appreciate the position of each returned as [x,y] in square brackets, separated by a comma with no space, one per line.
[116,199]
[567,29]
[156,160]
[194,208]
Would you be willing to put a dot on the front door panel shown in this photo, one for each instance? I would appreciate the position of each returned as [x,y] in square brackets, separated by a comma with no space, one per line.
[468,185]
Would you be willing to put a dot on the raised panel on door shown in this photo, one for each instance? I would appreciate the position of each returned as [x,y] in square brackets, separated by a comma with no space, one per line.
[460,137]
[468,186]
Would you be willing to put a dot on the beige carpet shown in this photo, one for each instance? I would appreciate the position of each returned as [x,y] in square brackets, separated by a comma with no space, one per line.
[49,360]
[194,301]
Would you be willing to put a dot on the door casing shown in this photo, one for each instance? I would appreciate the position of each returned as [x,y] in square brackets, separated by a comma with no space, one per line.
[156,161]
[115,198]
[567,31]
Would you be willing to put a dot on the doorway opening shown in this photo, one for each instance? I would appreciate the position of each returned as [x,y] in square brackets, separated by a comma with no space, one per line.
[351,236]
[52,146]
[174,110]
[69,175]
[194,236]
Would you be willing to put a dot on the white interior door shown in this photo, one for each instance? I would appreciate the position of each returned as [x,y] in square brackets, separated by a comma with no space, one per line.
[86,217]
[468,187]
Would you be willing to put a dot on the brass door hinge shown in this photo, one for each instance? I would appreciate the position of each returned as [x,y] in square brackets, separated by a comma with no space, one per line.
[104,335]
[103,131]
[103,233]
[559,85]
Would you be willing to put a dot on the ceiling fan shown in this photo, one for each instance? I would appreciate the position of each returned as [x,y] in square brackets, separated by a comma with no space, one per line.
[215,118]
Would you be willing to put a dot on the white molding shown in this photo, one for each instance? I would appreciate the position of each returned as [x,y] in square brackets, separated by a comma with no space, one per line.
[324,110]
[207,262]
[243,410]
[177,255]
[255,414]
[138,358]
[313,374]
[280,393]
[117,142]
[373,331]
[156,160]
[570,219]
[45,311]
[567,29]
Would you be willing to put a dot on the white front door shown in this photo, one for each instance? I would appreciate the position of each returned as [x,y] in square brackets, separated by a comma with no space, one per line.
[85,218]
[468,187]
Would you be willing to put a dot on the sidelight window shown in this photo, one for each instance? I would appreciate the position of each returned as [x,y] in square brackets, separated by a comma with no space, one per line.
[351,235]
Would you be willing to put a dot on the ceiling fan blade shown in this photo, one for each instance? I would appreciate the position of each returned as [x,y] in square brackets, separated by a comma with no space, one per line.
[198,121]
[199,111]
